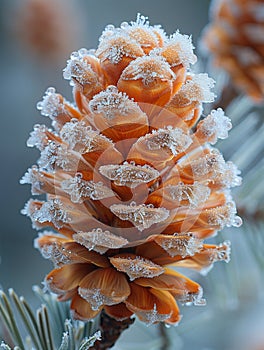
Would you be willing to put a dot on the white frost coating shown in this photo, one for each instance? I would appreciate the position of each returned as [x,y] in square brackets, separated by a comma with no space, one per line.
[52,104]
[115,43]
[183,245]
[54,252]
[48,156]
[174,139]
[99,240]
[184,48]
[142,216]
[212,162]
[78,68]
[152,316]
[96,298]
[80,137]
[80,189]
[38,137]
[28,208]
[129,174]
[35,179]
[230,177]
[224,215]
[216,125]
[137,267]
[148,69]
[52,211]
[55,154]
[198,88]
[221,172]
[193,298]
[111,102]
[223,252]
[135,30]
[195,194]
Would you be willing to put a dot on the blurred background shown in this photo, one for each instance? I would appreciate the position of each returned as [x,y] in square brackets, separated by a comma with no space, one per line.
[28,32]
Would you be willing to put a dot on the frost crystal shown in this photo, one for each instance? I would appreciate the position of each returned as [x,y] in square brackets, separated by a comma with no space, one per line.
[179,244]
[142,32]
[182,49]
[38,137]
[116,44]
[129,174]
[78,68]
[198,88]
[55,154]
[215,125]
[230,176]
[142,216]
[52,104]
[148,69]
[193,298]
[153,316]
[224,215]
[52,211]
[174,139]
[223,252]
[49,156]
[194,194]
[79,189]
[96,298]
[136,267]
[99,240]
[80,137]
[35,178]
[111,102]
[211,163]
[54,251]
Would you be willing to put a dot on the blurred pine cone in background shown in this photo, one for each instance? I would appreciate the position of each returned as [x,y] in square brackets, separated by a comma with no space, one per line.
[47,29]
[133,185]
[235,39]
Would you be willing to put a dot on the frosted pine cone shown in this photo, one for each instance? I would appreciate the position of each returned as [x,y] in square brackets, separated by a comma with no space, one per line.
[133,187]
[235,39]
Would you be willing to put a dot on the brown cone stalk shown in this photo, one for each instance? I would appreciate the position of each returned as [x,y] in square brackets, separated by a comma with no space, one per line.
[234,38]
[133,183]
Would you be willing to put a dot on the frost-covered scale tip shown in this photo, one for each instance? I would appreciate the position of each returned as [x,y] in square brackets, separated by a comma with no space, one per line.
[77,66]
[111,101]
[80,189]
[129,174]
[52,104]
[142,216]
[35,178]
[51,211]
[148,69]
[180,244]
[194,194]
[224,216]
[174,139]
[178,49]
[216,125]
[198,88]
[99,240]
[136,267]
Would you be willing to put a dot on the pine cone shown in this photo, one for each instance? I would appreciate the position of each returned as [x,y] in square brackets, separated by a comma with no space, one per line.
[235,39]
[132,187]
[42,27]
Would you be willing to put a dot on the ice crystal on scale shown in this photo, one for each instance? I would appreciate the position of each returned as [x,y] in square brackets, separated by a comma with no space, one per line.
[133,184]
